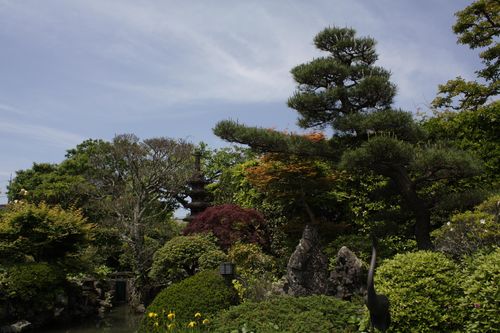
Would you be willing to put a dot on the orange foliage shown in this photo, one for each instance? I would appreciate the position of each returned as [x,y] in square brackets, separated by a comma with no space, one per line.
[315,136]
[287,176]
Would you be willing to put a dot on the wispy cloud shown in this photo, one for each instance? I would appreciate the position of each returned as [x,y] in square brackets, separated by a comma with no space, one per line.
[48,135]
[5,108]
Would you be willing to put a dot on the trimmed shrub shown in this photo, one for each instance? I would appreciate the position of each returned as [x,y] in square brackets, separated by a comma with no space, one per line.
[287,314]
[205,292]
[179,257]
[423,289]
[469,232]
[231,224]
[481,302]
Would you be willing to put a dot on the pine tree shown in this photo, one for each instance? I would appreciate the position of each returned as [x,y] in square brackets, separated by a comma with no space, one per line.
[346,92]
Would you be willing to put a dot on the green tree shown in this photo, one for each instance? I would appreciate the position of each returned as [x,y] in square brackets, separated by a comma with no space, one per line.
[347,92]
[475,126]
[474,130]
[477,26]
[137,183]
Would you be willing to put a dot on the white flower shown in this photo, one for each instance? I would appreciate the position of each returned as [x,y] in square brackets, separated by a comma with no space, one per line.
[483,221]
[448,223]
[451,229]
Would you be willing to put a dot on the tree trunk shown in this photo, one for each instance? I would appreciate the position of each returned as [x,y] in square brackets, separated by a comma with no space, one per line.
[417,205]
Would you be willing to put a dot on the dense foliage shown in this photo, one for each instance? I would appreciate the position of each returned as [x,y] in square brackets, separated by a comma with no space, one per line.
[231,224]
[315,314]
[255,271]
[40,233]
[180,256]
[30,291]
[469,232]
[424,291]
[205,292]
[481,301]
[39,245]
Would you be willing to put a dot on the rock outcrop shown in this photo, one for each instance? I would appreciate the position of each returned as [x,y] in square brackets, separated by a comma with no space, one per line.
[349,275]
[307,270]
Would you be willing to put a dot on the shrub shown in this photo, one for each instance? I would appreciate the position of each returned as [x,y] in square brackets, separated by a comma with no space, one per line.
[291,314]
[250,260]
[231,224]
[212,259]
[423,289]
[41,233]
[255,270]
[205,292]
[179,257]
[469,232]
[481,302]
[30,289]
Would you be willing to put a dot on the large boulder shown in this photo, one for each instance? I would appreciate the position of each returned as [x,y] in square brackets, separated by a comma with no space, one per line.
[307,270]
[348,278]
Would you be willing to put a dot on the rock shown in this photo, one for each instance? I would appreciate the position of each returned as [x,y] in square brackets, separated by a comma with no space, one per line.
[140,308]
[19,326]
[349,276]
[307,269]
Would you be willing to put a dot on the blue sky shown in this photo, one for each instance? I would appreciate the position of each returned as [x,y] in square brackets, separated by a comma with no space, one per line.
[77,69]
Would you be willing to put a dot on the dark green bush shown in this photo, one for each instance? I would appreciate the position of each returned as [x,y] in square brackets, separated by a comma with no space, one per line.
[205,292]
[481,303]
[424,292]
[291,315]
[30,289]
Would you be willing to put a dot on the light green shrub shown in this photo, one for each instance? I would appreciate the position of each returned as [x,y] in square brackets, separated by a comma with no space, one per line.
[287,314]
[424,290]
[481,303]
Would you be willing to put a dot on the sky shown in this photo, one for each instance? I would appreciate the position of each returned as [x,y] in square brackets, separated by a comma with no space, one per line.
[71,70]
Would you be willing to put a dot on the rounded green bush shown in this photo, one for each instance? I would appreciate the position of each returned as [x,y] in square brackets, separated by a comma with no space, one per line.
[424,291]
[287,314]
[205,292]
[481,302]
[179,257]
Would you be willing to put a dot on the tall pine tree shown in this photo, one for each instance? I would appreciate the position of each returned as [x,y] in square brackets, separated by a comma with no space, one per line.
[346,92]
